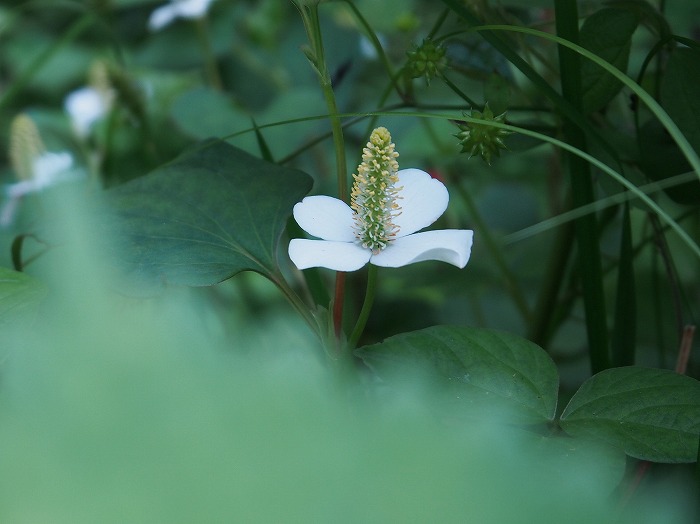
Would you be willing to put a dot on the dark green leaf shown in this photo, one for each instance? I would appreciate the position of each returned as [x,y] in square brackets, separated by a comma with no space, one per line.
[679,94]
[660,158]
[18,293]
[608,34]
[209,214]
[485,367]
[652,414]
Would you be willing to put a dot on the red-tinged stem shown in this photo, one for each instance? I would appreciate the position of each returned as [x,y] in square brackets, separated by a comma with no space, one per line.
[684,351]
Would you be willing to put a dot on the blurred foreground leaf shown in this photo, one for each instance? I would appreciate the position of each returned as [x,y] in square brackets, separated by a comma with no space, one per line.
[487,369]
[211,213]
[19,293]
[652,414]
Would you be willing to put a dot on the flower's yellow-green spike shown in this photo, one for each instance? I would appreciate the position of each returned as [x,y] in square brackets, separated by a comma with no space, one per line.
[25,146]
[374,192]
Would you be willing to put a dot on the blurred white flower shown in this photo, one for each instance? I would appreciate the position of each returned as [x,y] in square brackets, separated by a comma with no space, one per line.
[48,169]
[189,9]
[85,106]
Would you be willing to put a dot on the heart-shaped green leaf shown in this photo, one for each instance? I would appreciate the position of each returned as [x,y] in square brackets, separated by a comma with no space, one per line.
[487,369]
[652,414]
[211,213]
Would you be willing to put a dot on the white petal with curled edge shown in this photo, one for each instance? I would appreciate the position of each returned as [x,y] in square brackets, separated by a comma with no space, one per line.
[423,200]
[446,245]
[325,217]
[339,256]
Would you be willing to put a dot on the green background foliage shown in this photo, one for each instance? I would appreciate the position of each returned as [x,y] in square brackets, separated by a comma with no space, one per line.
[162,359]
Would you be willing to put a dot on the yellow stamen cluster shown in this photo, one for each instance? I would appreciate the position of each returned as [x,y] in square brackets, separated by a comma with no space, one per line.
[374,192]
[25,146]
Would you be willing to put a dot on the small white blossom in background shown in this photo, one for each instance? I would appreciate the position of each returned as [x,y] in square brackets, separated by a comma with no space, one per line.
[35,168]
[188,9]
[49,169]
[381,225]
[89,104]
[85,106]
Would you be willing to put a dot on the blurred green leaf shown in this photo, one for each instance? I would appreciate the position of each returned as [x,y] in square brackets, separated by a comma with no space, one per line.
[608,34]
[204,113]
[211,213]
[652,414]
[485,368]
[19,293]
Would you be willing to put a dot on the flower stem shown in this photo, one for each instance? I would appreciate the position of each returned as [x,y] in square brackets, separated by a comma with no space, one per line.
[210,65]
[366,307]
[309,15]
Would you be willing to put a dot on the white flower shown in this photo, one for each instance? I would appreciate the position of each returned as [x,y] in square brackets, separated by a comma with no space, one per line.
[85,106]
[189,9]
[48,169]
[423,200]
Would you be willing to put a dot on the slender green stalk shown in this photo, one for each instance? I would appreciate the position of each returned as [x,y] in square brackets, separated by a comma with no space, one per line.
[586,227]
[366,307]
[316,56]
[625,327]
[496,254]
[542,325]
[296,302]
[459,92]
[71,34]
[211,67]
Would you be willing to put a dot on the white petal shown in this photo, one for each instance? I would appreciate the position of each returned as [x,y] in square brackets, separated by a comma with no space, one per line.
[85,106]
[423,200]
[192,8]
[339,256]
[325,217]
[447,245]
[161,17]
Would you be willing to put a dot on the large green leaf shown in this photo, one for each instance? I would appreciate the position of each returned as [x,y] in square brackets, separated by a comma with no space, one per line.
[211,213]
[652,414]
[608,34]
[18,293]
[486,369]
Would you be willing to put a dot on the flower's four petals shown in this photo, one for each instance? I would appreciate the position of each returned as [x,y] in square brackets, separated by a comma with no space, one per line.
[447,245]
[325,217]
[422,198]
[338,256]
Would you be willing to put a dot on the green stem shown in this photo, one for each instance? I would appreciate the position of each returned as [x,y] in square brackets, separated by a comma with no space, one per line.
[71,34]
[542,327]
[586,227]
[296,302]
[211,67]
[366,307]
[316,55]
[458,91]
[485,235]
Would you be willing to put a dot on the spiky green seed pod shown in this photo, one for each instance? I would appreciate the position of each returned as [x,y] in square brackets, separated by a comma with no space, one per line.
[482,139]
[427,60]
